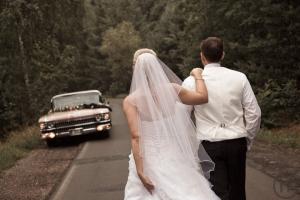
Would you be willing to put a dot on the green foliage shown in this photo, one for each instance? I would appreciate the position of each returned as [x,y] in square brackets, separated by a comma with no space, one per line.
[51,47]
[42,53]
[285,137]
[280,103]
[119,44]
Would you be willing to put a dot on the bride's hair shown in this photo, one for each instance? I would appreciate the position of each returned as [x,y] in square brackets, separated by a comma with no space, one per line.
[140,52]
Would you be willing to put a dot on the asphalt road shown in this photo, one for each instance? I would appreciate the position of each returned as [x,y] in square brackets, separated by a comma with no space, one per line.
[100,170]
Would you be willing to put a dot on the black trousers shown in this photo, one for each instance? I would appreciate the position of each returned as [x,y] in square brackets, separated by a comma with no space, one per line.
[228,178]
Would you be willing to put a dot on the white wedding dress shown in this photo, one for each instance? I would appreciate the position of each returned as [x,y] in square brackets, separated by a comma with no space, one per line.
[168,145]
[172,181]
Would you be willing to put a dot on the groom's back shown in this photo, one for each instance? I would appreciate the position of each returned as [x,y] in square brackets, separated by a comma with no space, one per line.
[222,117]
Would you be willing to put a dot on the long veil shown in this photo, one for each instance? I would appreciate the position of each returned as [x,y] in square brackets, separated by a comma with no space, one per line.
[154,91]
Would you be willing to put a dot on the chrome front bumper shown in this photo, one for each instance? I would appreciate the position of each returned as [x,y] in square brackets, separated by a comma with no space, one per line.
[77,131]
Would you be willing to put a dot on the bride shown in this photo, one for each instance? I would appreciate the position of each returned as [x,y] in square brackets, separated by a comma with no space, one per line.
[165,163]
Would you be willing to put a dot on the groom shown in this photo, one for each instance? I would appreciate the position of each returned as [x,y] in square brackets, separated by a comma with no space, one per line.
[228,123]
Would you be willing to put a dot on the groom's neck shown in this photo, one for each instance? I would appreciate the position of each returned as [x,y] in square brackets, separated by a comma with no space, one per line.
[207,63]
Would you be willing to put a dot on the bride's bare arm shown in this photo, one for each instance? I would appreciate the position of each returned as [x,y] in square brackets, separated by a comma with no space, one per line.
[195,98]
[131,115]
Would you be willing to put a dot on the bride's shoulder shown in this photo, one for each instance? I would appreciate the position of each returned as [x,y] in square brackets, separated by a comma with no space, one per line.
[176,86]
[129,100]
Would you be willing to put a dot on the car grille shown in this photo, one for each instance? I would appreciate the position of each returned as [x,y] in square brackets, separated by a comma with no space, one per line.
[68,129]
[64,124]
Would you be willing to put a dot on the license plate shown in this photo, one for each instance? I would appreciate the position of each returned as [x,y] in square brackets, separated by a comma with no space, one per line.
[76,132]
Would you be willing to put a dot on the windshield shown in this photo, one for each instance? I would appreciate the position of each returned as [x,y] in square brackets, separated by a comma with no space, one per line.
[60,103]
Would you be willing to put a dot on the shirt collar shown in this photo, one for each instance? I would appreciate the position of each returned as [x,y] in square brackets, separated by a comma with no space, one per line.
[212,65]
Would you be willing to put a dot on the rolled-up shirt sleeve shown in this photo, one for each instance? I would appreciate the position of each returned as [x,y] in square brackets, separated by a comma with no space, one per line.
[189,84]
[252,112]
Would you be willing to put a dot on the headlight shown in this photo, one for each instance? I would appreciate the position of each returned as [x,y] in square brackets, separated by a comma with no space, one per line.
[42,125]
[106,116]
[98,117]
[103,116]
[50,125]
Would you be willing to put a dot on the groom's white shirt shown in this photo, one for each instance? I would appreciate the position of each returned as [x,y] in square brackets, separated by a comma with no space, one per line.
[232,110]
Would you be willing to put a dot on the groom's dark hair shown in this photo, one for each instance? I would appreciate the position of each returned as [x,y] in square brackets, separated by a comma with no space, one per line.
[212,49]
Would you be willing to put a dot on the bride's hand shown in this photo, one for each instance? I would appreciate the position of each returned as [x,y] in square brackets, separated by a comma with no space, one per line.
[147,183]
[196,72]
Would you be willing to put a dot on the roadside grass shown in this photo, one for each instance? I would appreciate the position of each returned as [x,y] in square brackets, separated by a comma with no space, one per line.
[17,145]
[288,137]
[121,96]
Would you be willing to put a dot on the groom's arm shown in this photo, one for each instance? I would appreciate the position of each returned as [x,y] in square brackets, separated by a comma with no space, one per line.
[252,112]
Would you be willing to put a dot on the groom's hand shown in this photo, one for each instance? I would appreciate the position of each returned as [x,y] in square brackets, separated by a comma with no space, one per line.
[147,183]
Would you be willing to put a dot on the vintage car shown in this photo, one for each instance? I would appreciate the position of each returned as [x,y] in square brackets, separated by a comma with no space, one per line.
[74,114]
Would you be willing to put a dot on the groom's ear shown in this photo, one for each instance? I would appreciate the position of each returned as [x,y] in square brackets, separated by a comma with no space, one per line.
[223,55]
[202,57]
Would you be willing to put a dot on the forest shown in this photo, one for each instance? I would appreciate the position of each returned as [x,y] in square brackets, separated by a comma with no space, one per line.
[50,47]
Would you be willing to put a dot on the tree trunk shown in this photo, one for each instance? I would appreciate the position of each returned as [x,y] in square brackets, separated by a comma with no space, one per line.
[25,71]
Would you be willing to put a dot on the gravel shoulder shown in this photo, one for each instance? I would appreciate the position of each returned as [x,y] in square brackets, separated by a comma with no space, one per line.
[282,164]
[35,176]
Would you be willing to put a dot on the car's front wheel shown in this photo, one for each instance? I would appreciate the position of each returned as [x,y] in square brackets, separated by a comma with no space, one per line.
[51,143]
[106,134]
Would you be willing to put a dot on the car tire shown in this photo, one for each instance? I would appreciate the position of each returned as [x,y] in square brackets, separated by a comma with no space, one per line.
[51,143]
[106,134]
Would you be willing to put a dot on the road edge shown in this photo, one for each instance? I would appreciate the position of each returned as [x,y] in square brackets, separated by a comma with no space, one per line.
[67,173]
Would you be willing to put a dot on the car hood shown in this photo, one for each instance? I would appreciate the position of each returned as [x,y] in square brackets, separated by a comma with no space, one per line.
[74,114]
